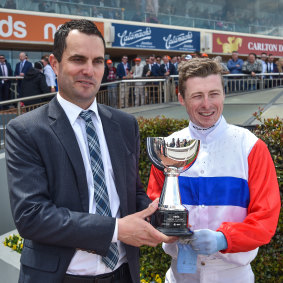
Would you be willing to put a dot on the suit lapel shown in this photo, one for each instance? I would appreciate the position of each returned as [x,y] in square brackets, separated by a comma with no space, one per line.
[62,128]
[117,151]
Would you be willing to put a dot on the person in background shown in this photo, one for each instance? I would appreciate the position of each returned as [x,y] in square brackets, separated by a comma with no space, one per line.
[49,73]
[235,65]
[252,66]
[123,72]
[156,67]
[147,69]
[112,88]
[5,71]
[167,68]
[263,58]
[139,90]
[231,190]
[73,175]
[34,83]
[21,69]
[279,68]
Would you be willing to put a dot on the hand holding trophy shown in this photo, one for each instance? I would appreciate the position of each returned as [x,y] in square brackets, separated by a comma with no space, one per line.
[173,156]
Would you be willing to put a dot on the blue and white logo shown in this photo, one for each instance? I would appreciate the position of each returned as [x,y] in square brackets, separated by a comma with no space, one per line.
[156,38]
[129,38]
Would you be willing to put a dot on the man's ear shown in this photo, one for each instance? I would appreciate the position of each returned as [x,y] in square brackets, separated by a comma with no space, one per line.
[54,64]
[181,99]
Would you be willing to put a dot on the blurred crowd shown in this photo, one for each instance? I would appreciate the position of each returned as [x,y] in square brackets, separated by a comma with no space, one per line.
[39,77]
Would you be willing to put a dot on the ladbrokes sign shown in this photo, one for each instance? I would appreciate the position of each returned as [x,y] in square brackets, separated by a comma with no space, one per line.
[31,28]
[224,43]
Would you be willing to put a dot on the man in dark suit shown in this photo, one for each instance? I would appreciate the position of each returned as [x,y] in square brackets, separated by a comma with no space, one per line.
[271,68]
[74,189]
[123,72]
[21,69]
[156,68]
[167,68]
[5,71]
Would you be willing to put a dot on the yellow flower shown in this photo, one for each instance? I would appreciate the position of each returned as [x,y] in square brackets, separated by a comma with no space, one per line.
[14,247]
[22,246]
[9,244]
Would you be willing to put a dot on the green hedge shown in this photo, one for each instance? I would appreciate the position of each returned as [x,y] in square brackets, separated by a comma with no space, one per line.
[268,264]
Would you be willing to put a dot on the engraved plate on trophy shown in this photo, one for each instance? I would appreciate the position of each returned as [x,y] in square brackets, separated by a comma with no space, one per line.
[173,156]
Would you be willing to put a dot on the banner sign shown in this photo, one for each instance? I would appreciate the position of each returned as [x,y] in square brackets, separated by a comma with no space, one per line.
[31,28]
[145,37]
[226,44]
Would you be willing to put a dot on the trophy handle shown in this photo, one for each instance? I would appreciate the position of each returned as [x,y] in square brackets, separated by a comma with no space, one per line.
[152,153]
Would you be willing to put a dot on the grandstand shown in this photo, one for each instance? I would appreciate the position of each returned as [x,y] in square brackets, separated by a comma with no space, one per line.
[255,20]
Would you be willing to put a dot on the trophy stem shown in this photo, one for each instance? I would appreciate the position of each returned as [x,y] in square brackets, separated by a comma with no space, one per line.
[170,196]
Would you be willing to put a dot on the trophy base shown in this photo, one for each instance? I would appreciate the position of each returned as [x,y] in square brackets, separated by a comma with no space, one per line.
[171,222]
[179,233]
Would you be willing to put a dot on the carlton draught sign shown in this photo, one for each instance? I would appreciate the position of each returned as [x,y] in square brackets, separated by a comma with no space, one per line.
[226,44]
[31,28]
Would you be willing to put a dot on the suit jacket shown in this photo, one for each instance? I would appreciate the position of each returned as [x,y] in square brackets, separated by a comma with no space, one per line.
[10,72]
[274,68]
[145,70]
[49,193]
[26,67]
[171,69]
[121,70]
[156,70]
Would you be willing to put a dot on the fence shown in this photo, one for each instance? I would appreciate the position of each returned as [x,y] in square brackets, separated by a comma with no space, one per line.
[135,92]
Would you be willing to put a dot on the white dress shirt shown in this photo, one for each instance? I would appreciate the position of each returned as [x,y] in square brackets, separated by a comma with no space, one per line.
[84,263]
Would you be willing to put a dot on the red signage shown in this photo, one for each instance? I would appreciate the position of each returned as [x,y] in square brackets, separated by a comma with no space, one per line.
[227,43]
[32,28]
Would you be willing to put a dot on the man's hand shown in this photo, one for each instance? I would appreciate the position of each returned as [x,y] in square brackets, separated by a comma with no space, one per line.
[208,242]
[134,230]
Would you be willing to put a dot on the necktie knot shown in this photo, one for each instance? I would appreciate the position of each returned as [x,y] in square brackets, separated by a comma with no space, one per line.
[86,115]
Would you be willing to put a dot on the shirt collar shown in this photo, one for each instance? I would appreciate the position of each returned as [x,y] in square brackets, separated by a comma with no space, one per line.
[73,111]
[208,134]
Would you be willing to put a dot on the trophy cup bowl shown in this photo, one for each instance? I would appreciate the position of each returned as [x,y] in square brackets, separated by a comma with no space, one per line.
[173,156]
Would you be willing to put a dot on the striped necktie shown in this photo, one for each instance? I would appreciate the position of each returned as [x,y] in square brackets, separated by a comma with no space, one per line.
[100,189]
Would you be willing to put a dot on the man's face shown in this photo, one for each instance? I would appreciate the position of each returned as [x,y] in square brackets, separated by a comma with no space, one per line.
[125,60]
[263,57]
[44,63]
[270,59]
[165,59]
[2,59]
[81,69]
[22,56]
[251,58]
[174,60]
[151,60]
[235,56]
[204,99]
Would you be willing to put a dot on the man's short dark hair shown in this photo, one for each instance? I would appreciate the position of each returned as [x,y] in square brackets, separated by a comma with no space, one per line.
[82,25]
